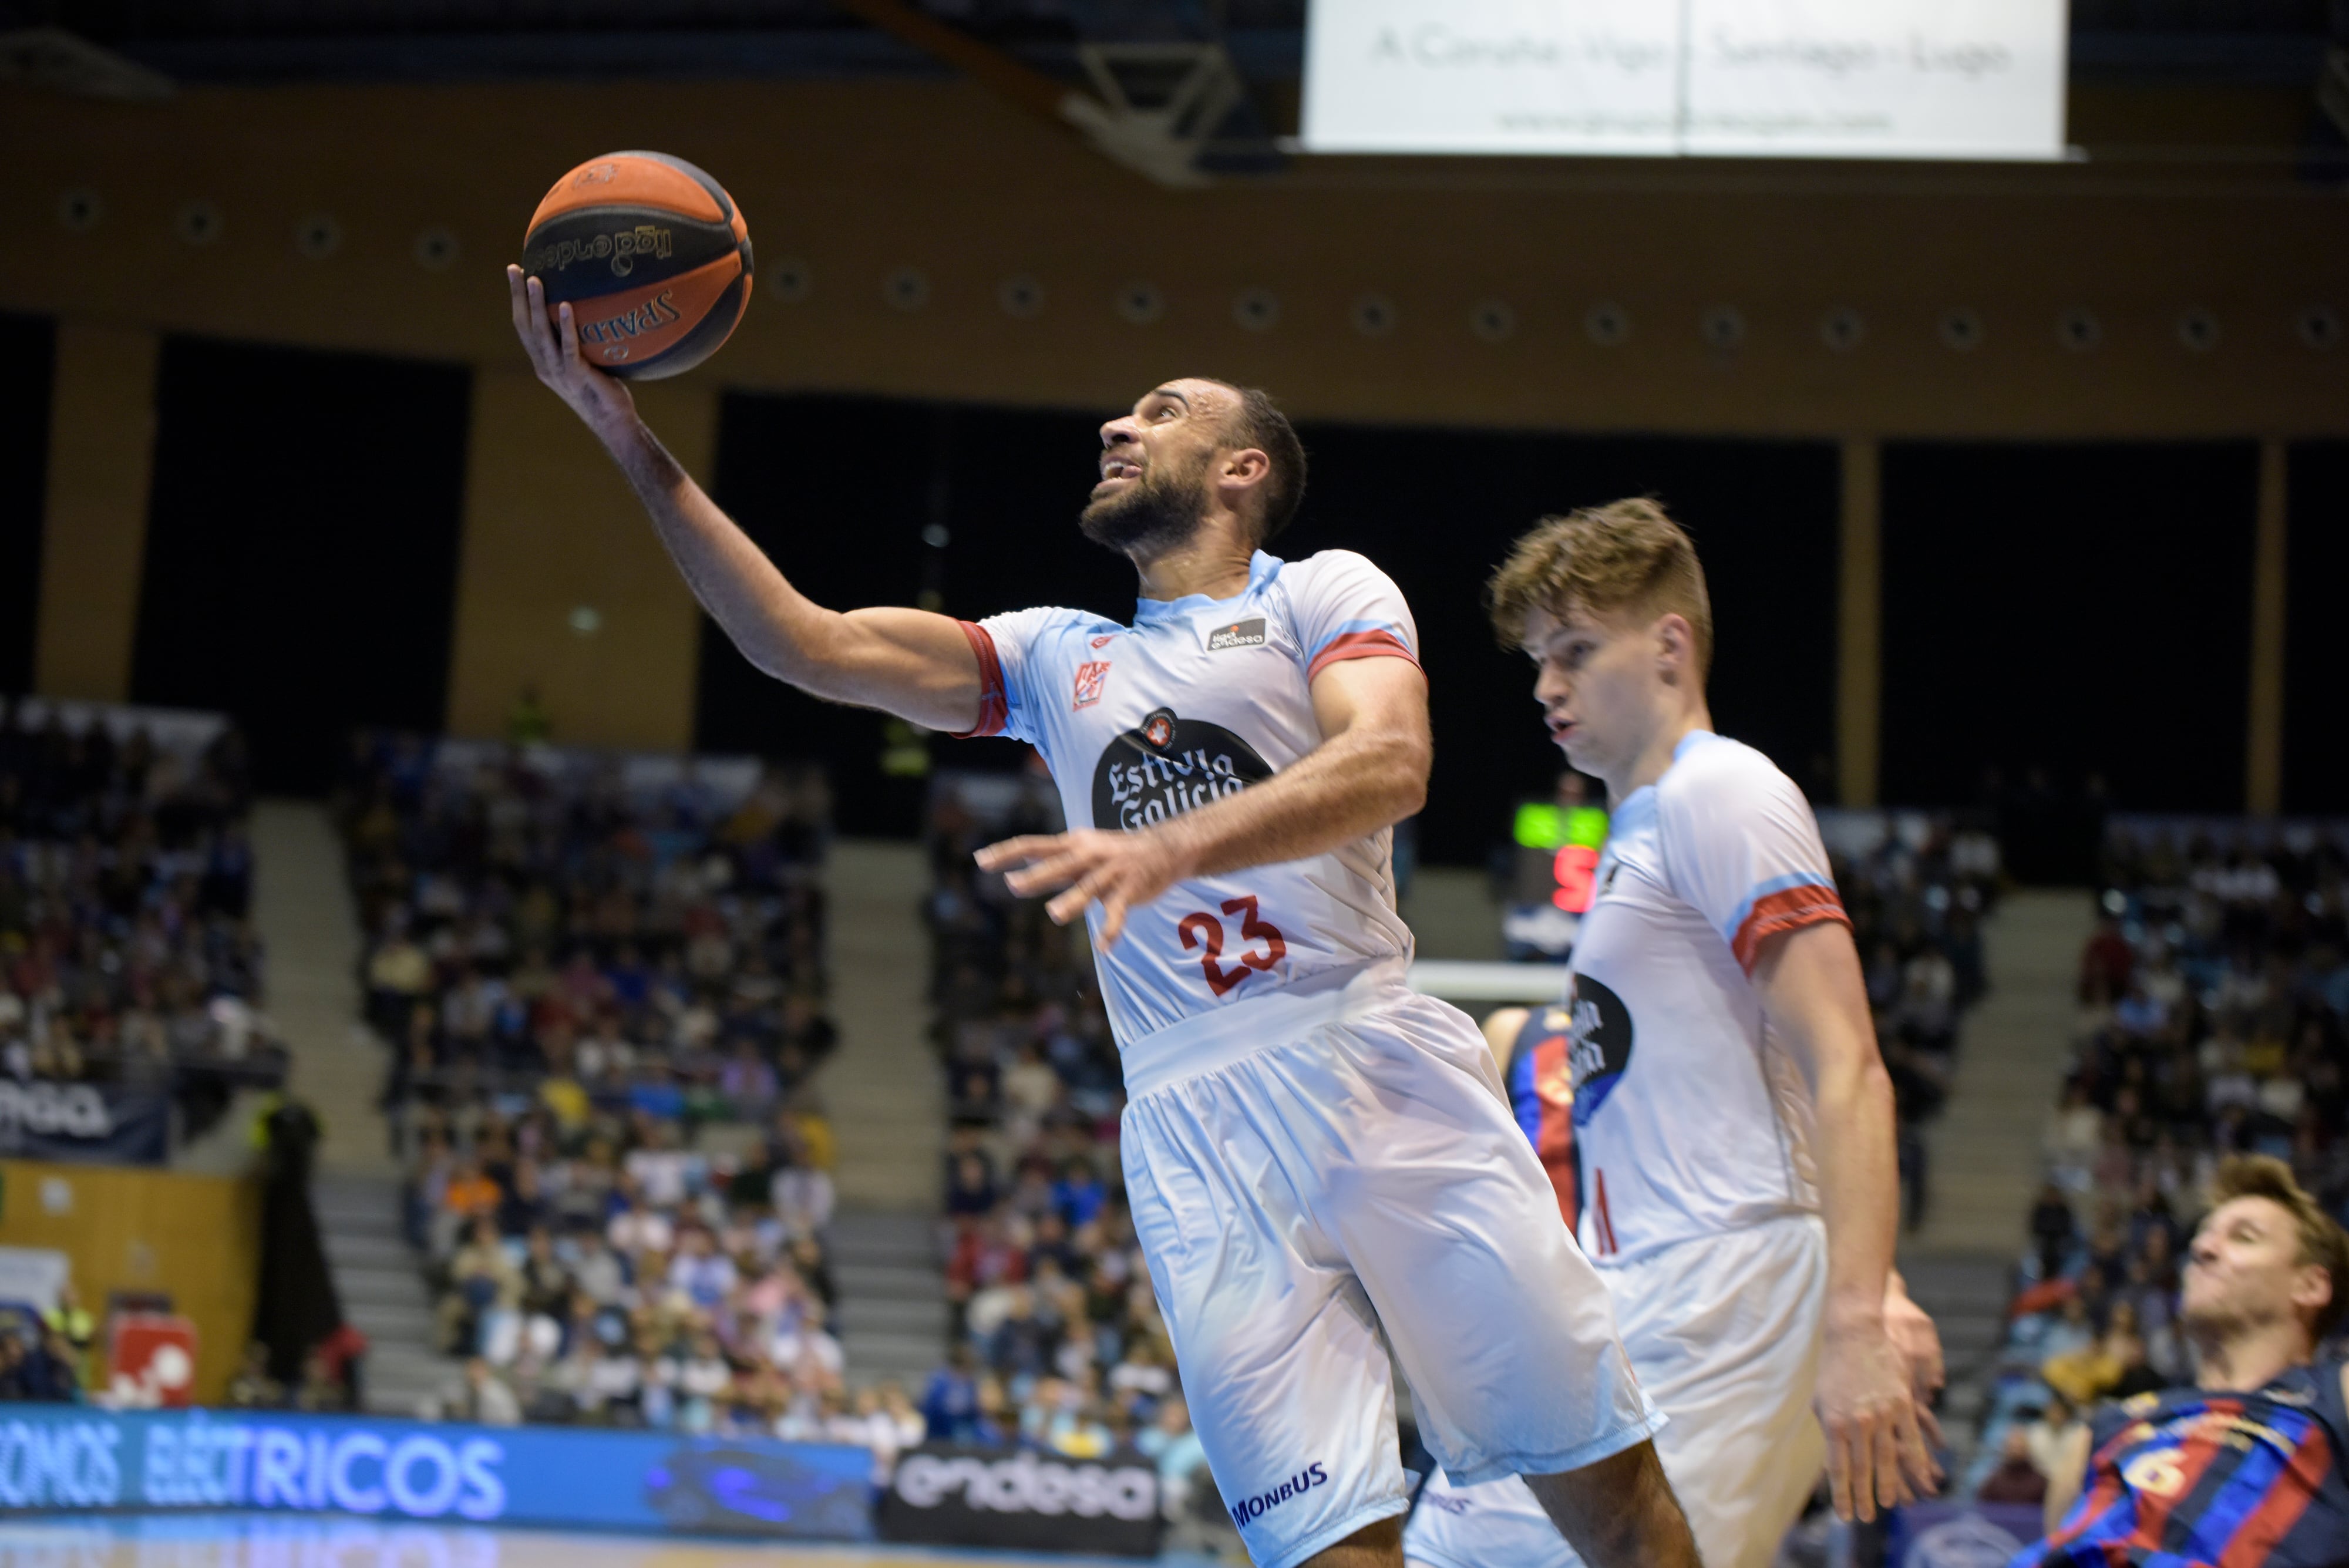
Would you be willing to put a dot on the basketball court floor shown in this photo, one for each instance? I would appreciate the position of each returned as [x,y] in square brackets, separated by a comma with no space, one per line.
[284,1540]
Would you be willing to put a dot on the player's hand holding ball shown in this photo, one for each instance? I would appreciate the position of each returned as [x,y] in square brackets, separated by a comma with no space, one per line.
[637,265]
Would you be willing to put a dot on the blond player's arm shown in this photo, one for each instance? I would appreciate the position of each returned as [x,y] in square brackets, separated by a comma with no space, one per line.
[1370,772]
[908,662]
[1501,1027]
[1811,990]
[2071,1476]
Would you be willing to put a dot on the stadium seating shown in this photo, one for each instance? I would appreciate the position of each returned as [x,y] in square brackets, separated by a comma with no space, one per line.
[2213,1018]
[601,985]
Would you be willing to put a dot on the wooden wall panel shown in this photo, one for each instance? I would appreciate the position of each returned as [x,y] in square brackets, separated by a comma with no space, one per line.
[197,1236]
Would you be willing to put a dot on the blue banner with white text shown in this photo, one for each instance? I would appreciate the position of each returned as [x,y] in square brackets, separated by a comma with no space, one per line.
[56,1457]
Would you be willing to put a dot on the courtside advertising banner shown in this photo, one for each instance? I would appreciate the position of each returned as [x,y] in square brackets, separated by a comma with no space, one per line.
[75,1459]
[96,1122]
[1752,78]
[948,1494]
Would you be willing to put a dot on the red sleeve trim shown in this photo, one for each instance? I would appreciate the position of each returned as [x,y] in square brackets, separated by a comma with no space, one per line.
[994,707]
[1360,645]
[1788,909]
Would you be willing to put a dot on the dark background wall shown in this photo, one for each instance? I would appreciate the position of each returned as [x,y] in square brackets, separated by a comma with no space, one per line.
[2075,609]
[840,491]
[27,347]
[2316,646]
[302,547]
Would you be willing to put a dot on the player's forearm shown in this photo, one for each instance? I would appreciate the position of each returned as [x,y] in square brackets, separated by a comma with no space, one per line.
[908,662]
[773,625]
[1859,1182]
[1349,787]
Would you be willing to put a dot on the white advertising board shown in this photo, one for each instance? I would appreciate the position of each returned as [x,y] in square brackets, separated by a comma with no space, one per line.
[1754,78]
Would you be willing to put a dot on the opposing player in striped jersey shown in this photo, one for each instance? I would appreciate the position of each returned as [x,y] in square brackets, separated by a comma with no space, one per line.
[1312,1151]
[2243,1469]
[1731,1119]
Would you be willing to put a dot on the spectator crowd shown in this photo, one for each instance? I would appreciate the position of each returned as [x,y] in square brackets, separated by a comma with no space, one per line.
[1055,1341]
[602,988]
[1916,888]
[128,955]
[2213,1018]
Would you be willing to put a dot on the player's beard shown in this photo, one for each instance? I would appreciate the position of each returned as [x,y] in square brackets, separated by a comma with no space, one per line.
[1157,512]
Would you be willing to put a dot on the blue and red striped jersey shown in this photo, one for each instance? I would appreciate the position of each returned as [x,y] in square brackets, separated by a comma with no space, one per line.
[1541,1096]
[2194,1478]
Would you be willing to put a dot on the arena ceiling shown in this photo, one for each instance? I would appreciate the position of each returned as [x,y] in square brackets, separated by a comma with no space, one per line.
[260,41]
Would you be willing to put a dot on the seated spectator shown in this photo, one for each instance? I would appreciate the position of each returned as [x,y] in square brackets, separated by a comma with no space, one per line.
[252,1388]
[2266,1282]
[482,1280]
[2018,1478]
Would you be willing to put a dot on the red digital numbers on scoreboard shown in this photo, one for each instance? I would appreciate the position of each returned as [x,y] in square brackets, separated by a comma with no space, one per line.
[1576,870]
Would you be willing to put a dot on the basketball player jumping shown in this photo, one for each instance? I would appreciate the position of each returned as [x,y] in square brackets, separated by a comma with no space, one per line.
[1311,1150]
[2243,1467]
[1731,1122]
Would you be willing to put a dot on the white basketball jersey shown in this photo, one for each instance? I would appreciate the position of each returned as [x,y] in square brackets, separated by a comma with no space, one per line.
[1199,698]
[1690,1119]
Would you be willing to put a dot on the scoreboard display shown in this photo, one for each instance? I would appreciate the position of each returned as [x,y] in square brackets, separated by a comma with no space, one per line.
[1553,878]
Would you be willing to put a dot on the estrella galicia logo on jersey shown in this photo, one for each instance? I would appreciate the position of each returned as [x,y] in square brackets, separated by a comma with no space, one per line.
[1239,634]
[1168,766]
[1297,1485]
[1602,1044]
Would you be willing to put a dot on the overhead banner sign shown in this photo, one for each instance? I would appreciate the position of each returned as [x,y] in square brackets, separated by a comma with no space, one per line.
[1729,78]
[59,1457]
[94,1122]
[946,1494]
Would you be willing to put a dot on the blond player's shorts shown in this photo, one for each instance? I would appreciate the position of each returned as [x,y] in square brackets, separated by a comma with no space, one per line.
[1724,1333]
[1333,1159]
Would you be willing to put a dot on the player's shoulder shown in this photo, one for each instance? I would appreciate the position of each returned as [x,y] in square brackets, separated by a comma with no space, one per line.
[1042,622]
[1328,566]
[1711,770]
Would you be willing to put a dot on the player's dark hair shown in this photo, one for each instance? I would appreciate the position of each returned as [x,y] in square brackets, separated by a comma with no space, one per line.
[1256,422]
[2322,1243]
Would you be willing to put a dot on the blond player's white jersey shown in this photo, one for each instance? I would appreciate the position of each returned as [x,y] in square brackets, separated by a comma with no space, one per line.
[1690,1119]
[1198,698]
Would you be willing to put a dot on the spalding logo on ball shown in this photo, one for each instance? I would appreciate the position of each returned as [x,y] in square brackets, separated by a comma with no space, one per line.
[651,255]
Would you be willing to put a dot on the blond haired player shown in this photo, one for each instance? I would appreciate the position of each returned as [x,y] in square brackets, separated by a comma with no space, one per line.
[1732,1120]
[1312,1151]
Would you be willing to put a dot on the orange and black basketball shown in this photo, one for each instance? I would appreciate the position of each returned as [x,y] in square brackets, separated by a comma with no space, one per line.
[651,253]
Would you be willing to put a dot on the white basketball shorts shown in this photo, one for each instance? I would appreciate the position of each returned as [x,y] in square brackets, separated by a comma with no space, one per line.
[1724,1333]
[1330,1159]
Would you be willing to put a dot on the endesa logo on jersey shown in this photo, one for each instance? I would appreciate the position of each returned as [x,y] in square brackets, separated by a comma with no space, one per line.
[1092,677]
[1170,766]
[1239,634]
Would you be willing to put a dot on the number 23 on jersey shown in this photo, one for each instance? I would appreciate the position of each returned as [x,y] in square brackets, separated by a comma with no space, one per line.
[1202,930]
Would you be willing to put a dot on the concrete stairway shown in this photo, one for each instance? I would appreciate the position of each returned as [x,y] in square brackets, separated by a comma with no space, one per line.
[1967,1297]
[1984,1158]
[302,905]
[883,1087]
[1984,1152]
[891,1317]
[382,1282]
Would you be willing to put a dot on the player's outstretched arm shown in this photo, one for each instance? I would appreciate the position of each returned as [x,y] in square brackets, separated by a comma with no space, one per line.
[908,662]
[1811,988]
[1370,772]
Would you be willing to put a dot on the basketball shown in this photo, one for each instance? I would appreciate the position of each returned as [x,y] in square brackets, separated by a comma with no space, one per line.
[654,255]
